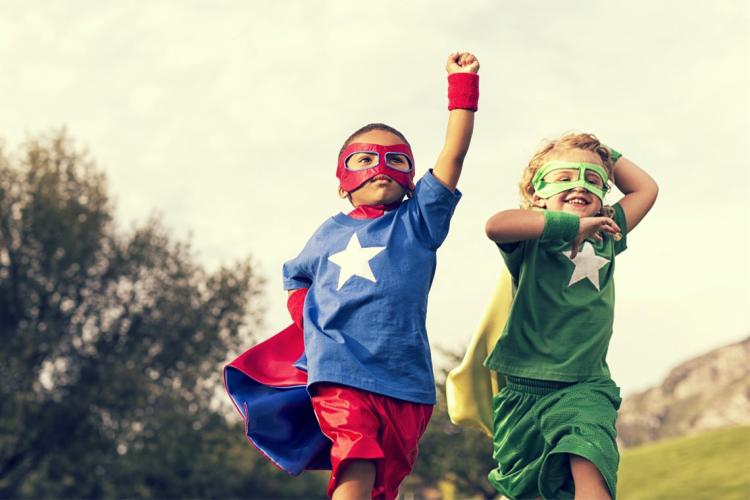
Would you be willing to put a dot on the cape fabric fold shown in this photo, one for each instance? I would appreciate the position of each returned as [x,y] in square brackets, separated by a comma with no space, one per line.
[270,393]
[470,386]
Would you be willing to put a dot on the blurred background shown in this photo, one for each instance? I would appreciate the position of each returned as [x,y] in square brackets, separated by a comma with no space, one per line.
[161,160]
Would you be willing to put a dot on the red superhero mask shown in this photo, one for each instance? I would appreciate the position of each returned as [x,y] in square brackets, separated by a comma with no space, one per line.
[361,161]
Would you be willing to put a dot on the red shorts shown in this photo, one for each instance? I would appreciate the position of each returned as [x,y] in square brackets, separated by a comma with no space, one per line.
[368,426]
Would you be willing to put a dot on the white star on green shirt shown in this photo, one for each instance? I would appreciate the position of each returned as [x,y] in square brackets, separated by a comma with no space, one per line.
[587,265]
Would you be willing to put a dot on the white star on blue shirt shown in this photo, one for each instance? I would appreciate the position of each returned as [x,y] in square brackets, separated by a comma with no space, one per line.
[354,261]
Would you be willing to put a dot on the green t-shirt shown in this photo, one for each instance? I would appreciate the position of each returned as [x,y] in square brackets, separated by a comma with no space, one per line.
[561,318]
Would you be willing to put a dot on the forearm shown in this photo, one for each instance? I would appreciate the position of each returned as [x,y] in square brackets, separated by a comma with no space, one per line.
[457,140]
[630,178]
[510,226]
[639,188]
[463,99]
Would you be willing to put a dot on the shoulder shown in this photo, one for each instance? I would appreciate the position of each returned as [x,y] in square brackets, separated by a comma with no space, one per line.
[620,218]
[430,186]
[323,234]
[336,223]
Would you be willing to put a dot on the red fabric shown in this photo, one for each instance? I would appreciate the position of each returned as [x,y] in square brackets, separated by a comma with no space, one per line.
[296,306]
[271,362]
[463,91]
[371,211]
[368,426]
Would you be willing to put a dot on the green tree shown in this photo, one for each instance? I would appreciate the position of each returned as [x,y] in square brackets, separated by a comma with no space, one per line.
[453,453]
[111,347]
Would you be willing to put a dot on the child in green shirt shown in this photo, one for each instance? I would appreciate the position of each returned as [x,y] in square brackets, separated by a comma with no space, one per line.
[554,420]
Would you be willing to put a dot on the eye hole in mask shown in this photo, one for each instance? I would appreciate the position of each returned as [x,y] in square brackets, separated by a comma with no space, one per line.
[569,175]
[362,160]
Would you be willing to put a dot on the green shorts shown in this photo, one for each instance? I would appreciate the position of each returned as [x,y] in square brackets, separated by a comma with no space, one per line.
[538,423]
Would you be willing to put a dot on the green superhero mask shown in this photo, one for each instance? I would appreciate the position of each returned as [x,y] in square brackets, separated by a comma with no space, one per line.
[545,189]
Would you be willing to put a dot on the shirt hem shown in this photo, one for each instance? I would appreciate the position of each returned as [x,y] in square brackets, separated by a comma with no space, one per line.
[442,192]
[295,285]
[545,375]
[421,397]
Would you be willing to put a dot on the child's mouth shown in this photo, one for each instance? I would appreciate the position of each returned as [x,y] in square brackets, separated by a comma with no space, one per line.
[381,177]
[578,201]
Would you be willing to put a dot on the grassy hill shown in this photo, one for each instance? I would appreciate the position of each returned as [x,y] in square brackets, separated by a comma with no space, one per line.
[712,465]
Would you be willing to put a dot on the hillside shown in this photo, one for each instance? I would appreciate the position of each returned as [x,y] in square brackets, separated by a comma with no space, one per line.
[710,465]
[707,392]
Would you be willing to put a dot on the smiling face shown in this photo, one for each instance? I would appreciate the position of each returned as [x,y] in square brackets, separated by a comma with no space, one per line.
[380,189]
[578,200]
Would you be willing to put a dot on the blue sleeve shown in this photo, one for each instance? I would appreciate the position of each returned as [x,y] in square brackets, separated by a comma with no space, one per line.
[431,209]
[296,274]
[299,272]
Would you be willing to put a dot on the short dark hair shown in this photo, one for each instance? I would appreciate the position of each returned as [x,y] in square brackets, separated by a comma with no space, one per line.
[368,128]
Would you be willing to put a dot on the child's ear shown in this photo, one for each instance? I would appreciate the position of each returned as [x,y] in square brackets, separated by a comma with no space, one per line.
[538,202]
[343,194]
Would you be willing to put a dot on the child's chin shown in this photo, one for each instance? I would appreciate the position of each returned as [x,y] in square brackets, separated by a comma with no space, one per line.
[580,210]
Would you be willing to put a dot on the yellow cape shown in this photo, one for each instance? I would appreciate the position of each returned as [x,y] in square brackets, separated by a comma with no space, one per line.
[470,386]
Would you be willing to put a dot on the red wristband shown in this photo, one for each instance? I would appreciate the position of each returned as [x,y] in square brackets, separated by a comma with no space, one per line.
[463,91]
[296,303]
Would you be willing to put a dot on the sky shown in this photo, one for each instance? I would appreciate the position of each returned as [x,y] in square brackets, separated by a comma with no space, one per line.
[225,119]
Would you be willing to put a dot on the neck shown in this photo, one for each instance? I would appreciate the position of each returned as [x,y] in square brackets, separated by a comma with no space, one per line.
[372,211]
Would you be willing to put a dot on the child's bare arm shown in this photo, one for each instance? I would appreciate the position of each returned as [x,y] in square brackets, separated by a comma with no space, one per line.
[639,188]
[510,226]
[460,127]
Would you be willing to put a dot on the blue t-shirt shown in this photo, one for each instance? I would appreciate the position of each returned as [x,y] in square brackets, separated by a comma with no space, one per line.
[368,280]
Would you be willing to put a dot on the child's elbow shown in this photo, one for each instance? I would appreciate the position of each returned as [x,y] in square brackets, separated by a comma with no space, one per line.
[653,191]
[492,229]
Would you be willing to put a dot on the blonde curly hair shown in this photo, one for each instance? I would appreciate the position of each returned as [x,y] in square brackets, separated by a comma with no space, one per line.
[587,142]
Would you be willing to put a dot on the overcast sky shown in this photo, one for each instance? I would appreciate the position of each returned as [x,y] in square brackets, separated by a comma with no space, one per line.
[226,118]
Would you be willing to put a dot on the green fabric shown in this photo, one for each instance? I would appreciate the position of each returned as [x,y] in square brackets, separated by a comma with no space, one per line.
[560,323]
[614,155]
[560,226]
[537,424]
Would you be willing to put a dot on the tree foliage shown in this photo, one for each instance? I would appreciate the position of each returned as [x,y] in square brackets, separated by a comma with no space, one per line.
[111,347]
[459,455]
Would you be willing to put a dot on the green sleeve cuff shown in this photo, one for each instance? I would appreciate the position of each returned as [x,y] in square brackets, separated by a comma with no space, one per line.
[559,226]
[614,154]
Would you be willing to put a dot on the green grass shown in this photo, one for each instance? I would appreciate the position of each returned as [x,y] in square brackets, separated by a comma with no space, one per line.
[713,465]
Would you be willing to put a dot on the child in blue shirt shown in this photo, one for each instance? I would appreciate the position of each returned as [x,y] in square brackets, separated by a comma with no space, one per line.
[359,291]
